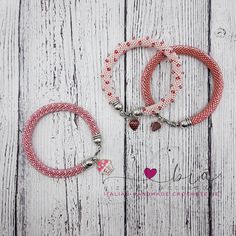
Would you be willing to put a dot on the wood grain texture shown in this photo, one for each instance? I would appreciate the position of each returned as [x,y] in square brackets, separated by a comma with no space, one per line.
[168,215]
[62,50]
[9,113]
[223,49]
[53,51]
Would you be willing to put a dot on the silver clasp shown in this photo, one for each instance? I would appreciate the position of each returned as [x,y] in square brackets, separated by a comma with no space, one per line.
[92,160]
[184,123]
[164,120]
[98,150]
[125,114]
[135,113]
[119,107]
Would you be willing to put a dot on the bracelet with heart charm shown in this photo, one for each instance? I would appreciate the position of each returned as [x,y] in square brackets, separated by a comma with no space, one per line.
[216,94]
[152,109]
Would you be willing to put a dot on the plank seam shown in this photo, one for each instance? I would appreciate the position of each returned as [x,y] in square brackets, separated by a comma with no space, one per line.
[209,128]
[18,131]
[125,122]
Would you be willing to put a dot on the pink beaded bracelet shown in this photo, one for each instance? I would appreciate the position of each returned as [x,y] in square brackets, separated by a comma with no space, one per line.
[152,108]
[103,166]
[217,86]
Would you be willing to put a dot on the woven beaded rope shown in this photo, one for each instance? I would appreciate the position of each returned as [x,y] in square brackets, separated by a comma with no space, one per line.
[28,146]
[147,43]
[217,84]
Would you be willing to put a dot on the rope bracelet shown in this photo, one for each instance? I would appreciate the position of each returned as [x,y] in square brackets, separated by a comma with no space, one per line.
[151,107]
[122,48]
[217,85]
[103,166]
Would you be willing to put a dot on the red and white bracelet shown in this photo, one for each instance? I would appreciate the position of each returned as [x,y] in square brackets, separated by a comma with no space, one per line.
[150,109]
[217,86]
[103,166]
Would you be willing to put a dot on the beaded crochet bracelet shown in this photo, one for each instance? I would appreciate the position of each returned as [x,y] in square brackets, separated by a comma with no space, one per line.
[217,86]
[151,108]
[103,166]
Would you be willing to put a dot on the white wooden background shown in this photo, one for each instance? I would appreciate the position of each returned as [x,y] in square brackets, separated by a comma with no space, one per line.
[53,51]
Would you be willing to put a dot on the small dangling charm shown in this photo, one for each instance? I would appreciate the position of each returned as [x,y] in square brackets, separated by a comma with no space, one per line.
[155,126]
[105,167]
[134,124]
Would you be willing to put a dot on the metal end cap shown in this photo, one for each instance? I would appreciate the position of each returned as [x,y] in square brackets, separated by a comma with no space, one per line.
[137,112]
[117,105]
[185,123]
[97,139]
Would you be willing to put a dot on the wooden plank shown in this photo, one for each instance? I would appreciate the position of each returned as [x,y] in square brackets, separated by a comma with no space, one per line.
[63,44]
[223,49]
[178,22]
[9,113]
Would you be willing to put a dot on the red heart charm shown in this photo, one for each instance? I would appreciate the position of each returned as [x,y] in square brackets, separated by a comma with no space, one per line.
[134,123]
[155,126]
[150,172]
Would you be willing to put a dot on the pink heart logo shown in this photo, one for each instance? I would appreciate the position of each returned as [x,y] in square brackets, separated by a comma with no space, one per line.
[150,172]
